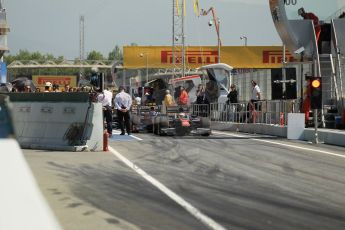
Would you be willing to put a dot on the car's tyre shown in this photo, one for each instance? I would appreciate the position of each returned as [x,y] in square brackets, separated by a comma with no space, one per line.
[180,130]
[156,121]
[135,119]
[205,134]
[205,122]
[163,123]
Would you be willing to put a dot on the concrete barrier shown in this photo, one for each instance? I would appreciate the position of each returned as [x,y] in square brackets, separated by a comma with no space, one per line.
[265,129]
[327,136]
[57,121]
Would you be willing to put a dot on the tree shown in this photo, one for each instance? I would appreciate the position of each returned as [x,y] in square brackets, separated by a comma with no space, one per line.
[116,54]
[25,55]
[95,55]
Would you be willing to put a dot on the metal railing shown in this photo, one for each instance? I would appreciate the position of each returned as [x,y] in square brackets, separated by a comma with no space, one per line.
[265,112]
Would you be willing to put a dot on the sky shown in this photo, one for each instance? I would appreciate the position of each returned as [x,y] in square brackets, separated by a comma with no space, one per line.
[52,26]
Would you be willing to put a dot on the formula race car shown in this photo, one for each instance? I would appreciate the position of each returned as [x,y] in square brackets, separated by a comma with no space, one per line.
[142,117]
[179,121]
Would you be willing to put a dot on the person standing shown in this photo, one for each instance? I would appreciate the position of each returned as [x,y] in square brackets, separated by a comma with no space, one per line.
[67,88]
[56,88]
[314,18]
[47,87]
[123,103]
[105,98]
[183,98]
[256,92]
[252,106]
[233,96]
[200,95]
[307,101]
[233,99]
[168,99]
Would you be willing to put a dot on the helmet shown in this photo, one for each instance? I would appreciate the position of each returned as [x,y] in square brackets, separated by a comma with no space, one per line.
[94,69]
[48,84]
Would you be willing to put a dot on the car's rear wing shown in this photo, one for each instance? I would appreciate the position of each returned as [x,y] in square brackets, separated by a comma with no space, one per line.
[178,109]
[145,109]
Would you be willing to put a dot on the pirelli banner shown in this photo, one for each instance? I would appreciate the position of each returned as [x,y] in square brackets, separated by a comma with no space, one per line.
[136,57]
[40,80]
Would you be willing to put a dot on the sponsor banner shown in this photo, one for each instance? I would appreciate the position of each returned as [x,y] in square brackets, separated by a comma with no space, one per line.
[236,56]
[40,80]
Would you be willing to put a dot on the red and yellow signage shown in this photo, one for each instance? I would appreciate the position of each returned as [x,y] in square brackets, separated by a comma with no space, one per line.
[236,56]
[40,80]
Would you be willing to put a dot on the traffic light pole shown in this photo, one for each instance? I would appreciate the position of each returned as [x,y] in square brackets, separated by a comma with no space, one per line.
[316,138]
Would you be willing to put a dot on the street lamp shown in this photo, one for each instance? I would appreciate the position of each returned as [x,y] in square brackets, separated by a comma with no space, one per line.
[147,65]
[245,40]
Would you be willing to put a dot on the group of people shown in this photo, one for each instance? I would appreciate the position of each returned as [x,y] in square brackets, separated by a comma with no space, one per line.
[122,102]
[252,105]
[183,98]
[49,87]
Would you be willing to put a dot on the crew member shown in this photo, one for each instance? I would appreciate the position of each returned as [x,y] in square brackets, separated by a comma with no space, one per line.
[123,103]
[307,100]
[183,98]
[311,16]
[168,99]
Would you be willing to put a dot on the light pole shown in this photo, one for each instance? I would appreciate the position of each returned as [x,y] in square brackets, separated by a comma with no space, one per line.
[217,25]
[147,65]
[245,40]
[216,22]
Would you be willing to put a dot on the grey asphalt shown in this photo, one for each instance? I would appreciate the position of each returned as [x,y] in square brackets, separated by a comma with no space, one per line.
[238,182]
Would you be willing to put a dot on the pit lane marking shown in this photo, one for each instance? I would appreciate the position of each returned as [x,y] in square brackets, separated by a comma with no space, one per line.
[179,200]
[282,144]
[135,137]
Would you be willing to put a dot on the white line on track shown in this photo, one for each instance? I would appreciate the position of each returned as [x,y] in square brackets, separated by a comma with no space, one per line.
[192,210]
[282,144]
[135,137]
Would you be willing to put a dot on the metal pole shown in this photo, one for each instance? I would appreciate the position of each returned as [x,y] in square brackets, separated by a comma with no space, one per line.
[183,41]
[173,38]
[302,83]
[219,41]
[284,72]
[316,139]
[124,78]
[147,68]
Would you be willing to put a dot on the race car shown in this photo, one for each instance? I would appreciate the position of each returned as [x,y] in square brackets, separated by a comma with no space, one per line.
[142,118]
[180,122]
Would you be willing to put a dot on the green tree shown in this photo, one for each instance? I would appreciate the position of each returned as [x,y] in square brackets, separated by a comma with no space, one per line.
[116,54]
[95,55]
[25,55]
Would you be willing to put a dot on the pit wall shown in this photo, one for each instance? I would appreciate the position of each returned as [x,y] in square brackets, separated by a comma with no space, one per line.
[57,121]
[331,137]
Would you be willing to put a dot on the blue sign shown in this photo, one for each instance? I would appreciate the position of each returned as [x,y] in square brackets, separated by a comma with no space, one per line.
[3,72]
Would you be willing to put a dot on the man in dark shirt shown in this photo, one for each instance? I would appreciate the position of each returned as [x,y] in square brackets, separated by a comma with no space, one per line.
[232,96]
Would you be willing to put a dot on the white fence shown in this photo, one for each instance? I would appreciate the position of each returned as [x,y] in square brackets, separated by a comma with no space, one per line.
[265,112]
